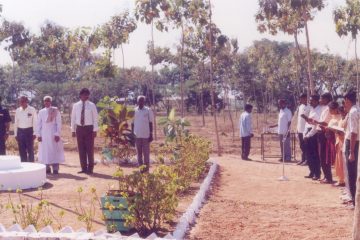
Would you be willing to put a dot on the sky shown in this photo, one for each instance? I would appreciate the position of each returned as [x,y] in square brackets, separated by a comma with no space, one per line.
[235,18]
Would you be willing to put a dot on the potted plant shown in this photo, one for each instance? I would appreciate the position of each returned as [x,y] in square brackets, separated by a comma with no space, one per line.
[115,206]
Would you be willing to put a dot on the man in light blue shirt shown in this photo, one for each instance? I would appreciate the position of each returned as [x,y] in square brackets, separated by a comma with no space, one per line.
[246,132]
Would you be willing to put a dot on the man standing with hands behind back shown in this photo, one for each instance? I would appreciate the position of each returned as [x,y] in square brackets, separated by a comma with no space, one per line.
[24,129]
[5,120]
[84,125]
[142,127]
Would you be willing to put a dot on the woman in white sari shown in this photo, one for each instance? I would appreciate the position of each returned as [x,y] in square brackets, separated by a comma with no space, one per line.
[51,148]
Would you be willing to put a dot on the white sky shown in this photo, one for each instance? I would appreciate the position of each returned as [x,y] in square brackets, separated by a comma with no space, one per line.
[234,17]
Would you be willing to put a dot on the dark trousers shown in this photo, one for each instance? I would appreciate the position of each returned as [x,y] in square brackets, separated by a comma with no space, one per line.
[245,147]
[313,156]
[85,141]
[2,145]
[325,165]
[143,152]
[302,146]
[352,167]
[26,144]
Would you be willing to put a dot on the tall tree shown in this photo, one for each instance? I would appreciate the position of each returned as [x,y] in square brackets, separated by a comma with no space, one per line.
[213,86]
[116,32]
[150,12]
[307,9]
[53,46]
[347,21]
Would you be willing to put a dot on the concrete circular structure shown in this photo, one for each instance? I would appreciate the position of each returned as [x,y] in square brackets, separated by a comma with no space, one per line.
[17,175]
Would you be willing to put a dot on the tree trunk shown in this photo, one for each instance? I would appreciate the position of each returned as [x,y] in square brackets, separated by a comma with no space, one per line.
[202,95]
[123,56]
[311,87]
[213,86]
[357,70]
[182,72]
[153,80]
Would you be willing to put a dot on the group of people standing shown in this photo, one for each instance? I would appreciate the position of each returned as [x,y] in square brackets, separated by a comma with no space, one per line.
[328,134]
[331,138]
[46,127]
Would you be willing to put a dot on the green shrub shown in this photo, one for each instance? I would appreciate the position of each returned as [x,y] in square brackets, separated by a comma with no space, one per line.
[154,201]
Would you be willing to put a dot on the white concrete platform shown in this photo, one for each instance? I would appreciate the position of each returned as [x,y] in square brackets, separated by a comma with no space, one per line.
[17,175]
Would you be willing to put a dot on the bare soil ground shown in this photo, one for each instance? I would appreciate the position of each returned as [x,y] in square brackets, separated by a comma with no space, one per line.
[246,202]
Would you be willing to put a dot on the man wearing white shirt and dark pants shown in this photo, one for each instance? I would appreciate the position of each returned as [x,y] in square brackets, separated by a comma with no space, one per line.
[304,109]
[142,127]
[352,141]
[246,132]
[24,129]
[84,125]
[310,138]
[284,122]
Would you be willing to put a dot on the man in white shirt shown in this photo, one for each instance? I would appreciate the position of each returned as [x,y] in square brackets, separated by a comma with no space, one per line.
[51,148]
[246,132]
[304,109]
[284,122]
[352,140]
[142,127]
[310,138]
[24,129]
[84,126]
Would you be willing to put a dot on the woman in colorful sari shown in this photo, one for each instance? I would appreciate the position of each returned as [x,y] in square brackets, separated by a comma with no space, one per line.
[336,125]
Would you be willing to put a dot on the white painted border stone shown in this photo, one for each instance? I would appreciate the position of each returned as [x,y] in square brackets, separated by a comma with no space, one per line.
[189,216]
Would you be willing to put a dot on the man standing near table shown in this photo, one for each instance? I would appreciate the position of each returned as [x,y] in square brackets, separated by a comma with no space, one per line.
[246,132]
[24,129]
[5,120]
[284,122]
[84,126]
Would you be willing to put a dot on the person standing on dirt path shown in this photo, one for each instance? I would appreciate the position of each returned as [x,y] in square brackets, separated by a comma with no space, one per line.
[284,122]
[246,132]
[310,138]
[352,141]
[5,121]
[303,109]
[84,126]
[24,129]
[142,127]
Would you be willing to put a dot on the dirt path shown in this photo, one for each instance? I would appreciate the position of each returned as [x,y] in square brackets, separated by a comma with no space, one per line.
[248,202]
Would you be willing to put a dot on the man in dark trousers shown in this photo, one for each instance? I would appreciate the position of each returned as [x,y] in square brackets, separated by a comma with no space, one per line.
[310,138]
[5,120]
[84,125]
[142,127]
[352,140]
[246,132]
[24,129]
[303,110]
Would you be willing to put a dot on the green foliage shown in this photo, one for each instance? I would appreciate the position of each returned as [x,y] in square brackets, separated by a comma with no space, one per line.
[87,213]
[114,126]
[347,19]
[174,129]
[155,198]
[38,214]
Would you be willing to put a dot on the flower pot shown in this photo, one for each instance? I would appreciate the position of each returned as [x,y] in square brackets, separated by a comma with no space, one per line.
[115,210]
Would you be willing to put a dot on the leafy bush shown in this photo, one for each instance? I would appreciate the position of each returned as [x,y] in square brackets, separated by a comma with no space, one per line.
[155,200]
[114,127]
